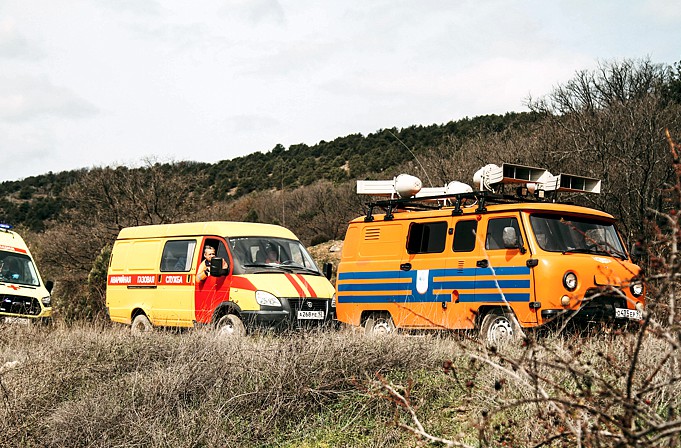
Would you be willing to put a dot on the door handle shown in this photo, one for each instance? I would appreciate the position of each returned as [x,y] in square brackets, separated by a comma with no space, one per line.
[405,267]
[482,263]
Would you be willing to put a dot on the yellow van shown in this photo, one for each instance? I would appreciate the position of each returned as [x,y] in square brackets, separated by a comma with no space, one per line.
[22,292]
[454,258]
[155,278]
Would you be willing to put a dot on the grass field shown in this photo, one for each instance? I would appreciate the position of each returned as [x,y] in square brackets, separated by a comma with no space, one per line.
[100,386]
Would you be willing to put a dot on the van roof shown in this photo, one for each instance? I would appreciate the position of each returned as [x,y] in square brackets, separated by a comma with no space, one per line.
[496,208]
[12,241]
[214,228]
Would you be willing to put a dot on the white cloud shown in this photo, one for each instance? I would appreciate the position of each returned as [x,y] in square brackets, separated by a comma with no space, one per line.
[28,98]
[13,44]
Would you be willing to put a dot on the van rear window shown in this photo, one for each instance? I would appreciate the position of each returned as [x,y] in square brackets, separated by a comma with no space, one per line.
[425,238]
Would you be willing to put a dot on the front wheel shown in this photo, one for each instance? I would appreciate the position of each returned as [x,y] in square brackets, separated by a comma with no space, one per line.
[379,325]
[499,327]
[141,324]
[230,325]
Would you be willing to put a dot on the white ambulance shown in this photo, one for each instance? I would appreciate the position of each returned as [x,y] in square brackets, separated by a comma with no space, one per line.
[23,294]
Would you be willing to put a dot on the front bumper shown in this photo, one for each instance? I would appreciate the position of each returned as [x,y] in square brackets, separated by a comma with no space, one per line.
[286,316]
[13,305]
[598,309]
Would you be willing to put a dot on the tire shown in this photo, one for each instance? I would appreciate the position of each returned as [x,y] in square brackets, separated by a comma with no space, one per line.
[379,325]
[230,325]
[141,324]
[499,327]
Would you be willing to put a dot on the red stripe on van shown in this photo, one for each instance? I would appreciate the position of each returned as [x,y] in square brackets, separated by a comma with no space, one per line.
[243,283]
[312,292]
[13,249]
[295,284]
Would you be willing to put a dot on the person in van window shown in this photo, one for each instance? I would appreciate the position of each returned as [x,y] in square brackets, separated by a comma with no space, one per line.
[9,270]
[204,267]
[272,257]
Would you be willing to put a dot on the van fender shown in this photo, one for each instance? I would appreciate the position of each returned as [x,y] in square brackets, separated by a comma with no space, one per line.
[224,308]
[137,310]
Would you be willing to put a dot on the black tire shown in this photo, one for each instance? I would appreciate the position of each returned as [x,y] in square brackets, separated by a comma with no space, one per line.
[230,325]
[141,324]
[499,327]
[379,325]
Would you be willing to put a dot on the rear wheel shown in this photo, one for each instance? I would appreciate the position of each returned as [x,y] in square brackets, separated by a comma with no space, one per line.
[230,325]
[499,327]
[379,325]
[141,324]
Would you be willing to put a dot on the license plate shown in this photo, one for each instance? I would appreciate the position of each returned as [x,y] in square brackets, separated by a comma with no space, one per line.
[626,313]
[17,320]
[310,315]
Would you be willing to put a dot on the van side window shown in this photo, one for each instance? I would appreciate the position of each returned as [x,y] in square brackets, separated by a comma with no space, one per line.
[427,237]
[495,232]
[464,236]
[178,255]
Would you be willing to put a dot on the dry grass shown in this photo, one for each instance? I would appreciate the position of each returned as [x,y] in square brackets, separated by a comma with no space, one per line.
[99,386]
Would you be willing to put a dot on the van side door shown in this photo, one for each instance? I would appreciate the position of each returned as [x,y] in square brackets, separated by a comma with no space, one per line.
[176,281]
[459,279]
[212,291]
[424,262]
[503,276]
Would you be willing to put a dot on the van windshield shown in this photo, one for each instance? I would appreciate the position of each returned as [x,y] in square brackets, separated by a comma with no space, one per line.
[265,254]
[576,234]
[18,269]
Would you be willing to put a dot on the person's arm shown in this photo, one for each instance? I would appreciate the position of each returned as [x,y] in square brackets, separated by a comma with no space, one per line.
[203,271]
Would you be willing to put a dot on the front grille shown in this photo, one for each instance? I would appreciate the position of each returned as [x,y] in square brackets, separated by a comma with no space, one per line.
[298,304]
[295,304]
[10,303]
[600,306]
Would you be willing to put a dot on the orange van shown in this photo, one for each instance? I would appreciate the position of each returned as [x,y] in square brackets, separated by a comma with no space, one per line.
[437,259]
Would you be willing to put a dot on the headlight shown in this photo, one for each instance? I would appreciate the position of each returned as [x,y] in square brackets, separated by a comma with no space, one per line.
[636,289]
[47,300]
[266,299]
[333,300]
[570,281]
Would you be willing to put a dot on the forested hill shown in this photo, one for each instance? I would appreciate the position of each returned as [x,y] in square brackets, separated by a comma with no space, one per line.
[34,200]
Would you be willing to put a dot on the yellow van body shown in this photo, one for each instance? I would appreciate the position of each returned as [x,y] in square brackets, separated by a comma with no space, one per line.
[153,273]
[449,268]
[22,292]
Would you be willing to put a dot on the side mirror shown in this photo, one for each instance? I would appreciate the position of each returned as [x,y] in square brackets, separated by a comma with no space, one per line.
[216,269]
[49,285]
[511,240]
[327,269]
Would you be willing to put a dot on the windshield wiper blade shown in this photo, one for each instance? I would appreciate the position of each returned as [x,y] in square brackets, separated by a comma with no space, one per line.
[582,250]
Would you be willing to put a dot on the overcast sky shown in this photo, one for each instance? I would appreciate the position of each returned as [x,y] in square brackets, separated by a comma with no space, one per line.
[108,82]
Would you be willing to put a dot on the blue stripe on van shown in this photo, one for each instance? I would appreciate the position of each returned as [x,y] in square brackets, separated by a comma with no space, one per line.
[354,290]
[369,275]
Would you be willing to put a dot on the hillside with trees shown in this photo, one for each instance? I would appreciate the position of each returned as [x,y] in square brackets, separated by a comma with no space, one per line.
[608,123]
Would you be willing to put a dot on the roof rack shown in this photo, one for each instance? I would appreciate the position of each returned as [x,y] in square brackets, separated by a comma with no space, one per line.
[405,192]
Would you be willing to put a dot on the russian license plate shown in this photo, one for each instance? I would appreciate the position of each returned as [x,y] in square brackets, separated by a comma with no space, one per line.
[310,314]
[626,313]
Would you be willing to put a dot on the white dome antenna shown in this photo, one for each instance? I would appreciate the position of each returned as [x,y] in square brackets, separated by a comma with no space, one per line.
[404,186]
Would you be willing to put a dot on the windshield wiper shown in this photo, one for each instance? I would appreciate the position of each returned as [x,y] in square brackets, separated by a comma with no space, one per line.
[582,250]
